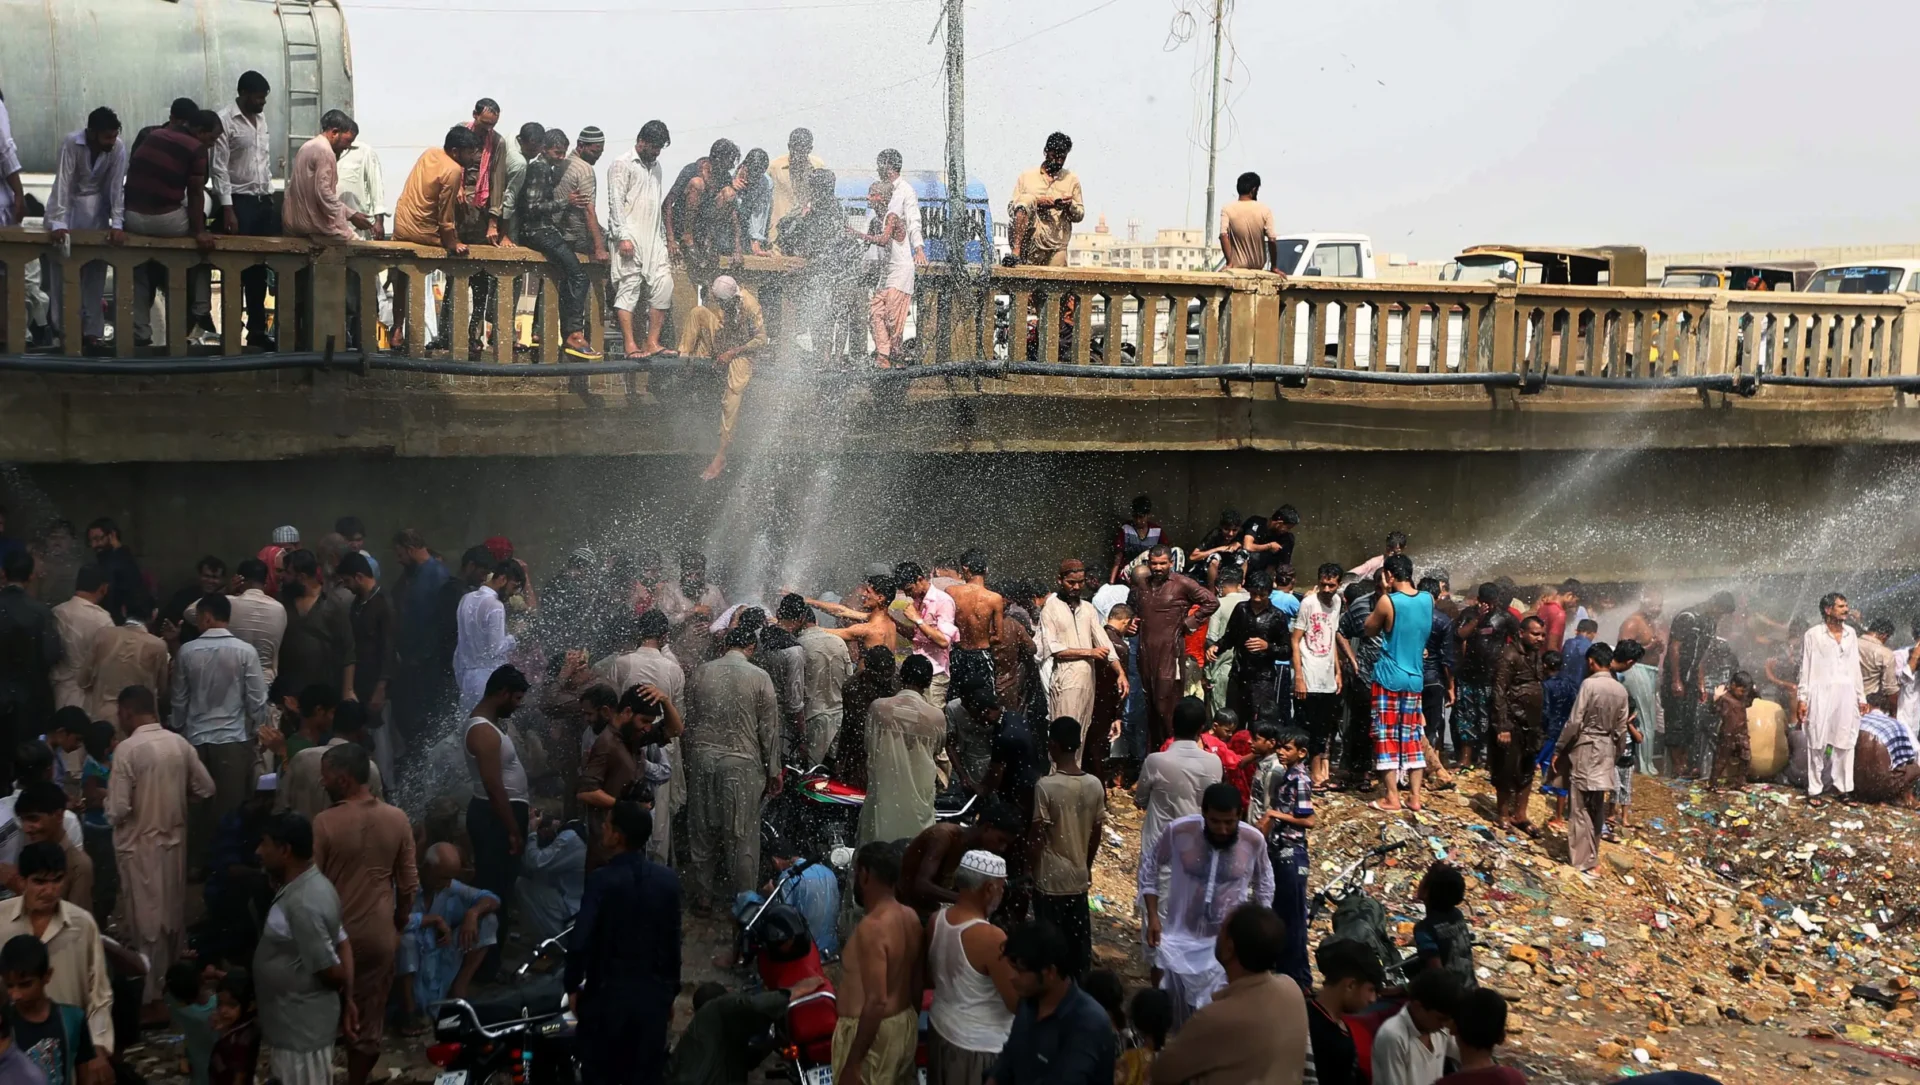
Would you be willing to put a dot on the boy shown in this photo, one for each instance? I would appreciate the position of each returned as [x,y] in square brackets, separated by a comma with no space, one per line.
[1413,1047]
[1479,1026]
[1238,761]
[52,1035]
[190,1010]
[1443,941]
[1282,809]
[1350,979]
[1626,657]
[237,1052]
[1069,809]
[1733,752]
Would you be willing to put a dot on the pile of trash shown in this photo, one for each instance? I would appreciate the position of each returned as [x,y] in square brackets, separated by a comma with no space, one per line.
[1719,909]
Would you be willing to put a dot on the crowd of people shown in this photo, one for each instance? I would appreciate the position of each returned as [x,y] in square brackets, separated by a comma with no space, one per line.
[203,173]
[239,743]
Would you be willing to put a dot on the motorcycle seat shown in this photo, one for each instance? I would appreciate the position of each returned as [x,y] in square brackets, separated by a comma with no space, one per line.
[539,996]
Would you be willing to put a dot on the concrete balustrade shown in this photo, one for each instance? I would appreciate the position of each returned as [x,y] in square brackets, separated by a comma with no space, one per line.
[1071,318]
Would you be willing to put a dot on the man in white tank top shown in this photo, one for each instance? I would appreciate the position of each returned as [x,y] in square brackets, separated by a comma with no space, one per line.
[497,812]
[973,995]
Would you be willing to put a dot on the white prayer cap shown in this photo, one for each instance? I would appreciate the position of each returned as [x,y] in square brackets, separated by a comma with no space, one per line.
[269,781]
[725,288]
[984,862]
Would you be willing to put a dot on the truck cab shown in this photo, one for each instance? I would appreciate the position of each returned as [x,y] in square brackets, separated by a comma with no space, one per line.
[1785,275]
[1869,277]
[1333,256]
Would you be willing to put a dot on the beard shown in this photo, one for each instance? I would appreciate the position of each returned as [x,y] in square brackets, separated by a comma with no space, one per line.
[1220,844]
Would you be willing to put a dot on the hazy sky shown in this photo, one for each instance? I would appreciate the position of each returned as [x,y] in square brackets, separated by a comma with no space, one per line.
[1678,124]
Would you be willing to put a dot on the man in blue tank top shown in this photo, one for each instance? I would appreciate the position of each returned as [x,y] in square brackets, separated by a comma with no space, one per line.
[1402,617]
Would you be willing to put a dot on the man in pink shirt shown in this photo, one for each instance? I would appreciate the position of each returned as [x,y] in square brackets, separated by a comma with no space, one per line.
[313,208]
[928,618]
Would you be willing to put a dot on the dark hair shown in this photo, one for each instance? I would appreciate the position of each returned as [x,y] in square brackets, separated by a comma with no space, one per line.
[881,861]
[25,955]
[977,696]
[238,982]
[1292,736]
[1267,731]
[1230,574]
[511,570]
[1446,886]
[908,572]
[1064,732]
[1059,143]
[793,606]
[318,696]
[1586,625]
[634,701]
[633,821]
[252,570]
[105,524]
[485,104]
[205,120]
[302,562]
[42,858]
[138,700]
[1741,679]
[182,108]
[506,679]
[1142,505]
[89,578]
[1488,593]
[599,696]
[1151,1015]
[99,739]
[1827,601]
[17,565]
[32,761]
[655,132]
[1628,651]
[41,797]
[1248,184]
[1189,717]
[72,719]
[1106,988]
[1396,540]
[1037,945]
[974,561]
[1552,660]
[1399,567]
[1227,716]
[916,672]
[183,979]
[353,563]
[1258,936]
[1437,989]
[1723,601]
[1346,958]
[755,162]
[349,526]
[460,138]
[1429,585]
[1480,1019]
[724,153]
[883,585]
[1600,654]
[1259,582]
[1882,625]
[1533,619]
[555,137]
[1220,798]
[335,120]
[291,830]
[350,758]
[212,564]
[533,132]
[888,159]
[1282,574]
[252,82]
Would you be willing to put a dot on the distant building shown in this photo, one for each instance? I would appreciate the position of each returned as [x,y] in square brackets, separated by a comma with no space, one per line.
[1170,250]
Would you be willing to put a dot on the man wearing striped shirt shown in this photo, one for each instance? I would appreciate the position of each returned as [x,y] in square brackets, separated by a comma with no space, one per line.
[241,169]
[166,186]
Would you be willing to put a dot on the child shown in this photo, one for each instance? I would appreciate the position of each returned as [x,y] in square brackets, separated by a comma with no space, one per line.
[1626,656]
[1350,979]
[1282,810]
[1413,1047]
[102,738]
[1443,940]
[1479,1026]
[1225,722]
[52,1035]
[68,738]
[1559,704]
[1105,987]
[237,1050]
[1733,752]
[191,1008]
[1151,1013]
[15,1067]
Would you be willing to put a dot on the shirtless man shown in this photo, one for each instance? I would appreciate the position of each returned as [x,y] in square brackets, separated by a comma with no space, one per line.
[873,626]
[927,866]
[1640,625]
[881,979]
[978,611]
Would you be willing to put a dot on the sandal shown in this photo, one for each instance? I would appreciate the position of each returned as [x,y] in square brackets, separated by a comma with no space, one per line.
[1375,805]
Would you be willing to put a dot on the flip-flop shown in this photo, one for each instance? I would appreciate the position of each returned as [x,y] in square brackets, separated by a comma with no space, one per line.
[1529,828]
[1375,805]
[587,355]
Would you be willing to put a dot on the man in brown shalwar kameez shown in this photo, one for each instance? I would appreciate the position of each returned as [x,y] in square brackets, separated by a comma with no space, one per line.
[155,774]
[1170,606]
[1591,741]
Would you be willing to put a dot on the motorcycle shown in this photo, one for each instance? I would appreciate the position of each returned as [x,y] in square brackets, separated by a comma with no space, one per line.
[522,1036]
[818,815]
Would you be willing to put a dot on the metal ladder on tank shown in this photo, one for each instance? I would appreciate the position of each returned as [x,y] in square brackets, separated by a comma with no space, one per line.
[302,33]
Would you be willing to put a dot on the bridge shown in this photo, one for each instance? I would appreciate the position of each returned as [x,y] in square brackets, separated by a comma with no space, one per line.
[1416,395]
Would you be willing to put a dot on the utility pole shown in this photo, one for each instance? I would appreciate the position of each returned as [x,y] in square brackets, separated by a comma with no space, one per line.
[1213,115]
[957,143]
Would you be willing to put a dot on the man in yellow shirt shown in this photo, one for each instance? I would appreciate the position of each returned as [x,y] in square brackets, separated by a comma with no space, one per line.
[426,213]
[729,328]
[1046,203]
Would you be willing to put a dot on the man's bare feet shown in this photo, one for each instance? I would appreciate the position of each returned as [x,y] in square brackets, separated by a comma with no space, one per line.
[713,470]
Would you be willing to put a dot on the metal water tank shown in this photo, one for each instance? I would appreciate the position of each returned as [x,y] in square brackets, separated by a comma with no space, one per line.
[59,59]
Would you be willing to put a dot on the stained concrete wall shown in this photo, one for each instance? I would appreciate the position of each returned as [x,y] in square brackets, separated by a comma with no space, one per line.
[792,517]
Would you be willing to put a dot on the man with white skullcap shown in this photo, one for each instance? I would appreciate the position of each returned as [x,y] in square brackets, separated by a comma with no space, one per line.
[973,995]
[728,327]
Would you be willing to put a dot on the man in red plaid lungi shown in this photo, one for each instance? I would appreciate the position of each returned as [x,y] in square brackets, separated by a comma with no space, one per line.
[1402,617]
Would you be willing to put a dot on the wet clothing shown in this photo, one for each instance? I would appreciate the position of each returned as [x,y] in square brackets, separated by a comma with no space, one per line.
[904,735]
[1832,688]
[625,961]
[299,1012]
[1254,683]
[1066,625]
[1205,886]
[1733,752]
[732,742]
[1595,734]
[1518,709]
[155,773]
[365,848]
[1075,1045]
[1253,1033]
[1444,937]
[1168,613]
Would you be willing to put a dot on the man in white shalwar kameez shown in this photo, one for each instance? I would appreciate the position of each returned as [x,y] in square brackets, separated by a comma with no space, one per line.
[1074,639]
[639,259]
[89,193]
[1832,697]
[1217,863]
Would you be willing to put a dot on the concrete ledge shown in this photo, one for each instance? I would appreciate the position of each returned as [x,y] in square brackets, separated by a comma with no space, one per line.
[295,414]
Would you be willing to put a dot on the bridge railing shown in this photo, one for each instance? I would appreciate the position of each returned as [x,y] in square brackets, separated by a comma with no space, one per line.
[1065,317]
